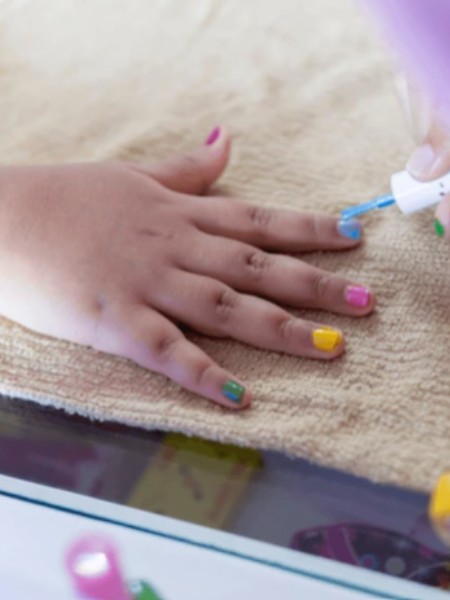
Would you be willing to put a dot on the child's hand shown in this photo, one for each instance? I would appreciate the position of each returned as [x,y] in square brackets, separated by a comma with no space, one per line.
[115,256]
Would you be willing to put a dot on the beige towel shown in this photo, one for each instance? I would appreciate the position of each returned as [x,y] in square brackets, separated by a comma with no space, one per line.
[308,95]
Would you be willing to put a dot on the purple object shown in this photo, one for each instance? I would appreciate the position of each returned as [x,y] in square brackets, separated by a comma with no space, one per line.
[93,565]
[376,549]
[419,33]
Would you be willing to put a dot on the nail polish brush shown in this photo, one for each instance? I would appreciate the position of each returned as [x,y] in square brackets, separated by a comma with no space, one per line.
[407,193]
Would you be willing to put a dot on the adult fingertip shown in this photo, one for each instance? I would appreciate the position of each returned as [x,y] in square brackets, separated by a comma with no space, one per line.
[439,228]
[429,163]
[421,163]
[442,219]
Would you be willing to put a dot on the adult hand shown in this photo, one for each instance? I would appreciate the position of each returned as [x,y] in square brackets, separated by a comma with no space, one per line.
[431,161]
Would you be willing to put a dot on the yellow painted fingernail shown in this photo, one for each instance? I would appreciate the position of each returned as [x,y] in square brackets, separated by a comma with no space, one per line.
[326,339]
[439,509]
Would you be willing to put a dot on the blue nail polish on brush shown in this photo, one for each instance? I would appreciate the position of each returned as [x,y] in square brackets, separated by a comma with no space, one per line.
[350,228]
[361,209]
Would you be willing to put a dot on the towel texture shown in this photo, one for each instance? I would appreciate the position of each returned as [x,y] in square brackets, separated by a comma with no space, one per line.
[308,95]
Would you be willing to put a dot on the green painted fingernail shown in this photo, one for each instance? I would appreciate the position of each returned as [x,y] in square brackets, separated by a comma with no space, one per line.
[439,228]
[142,591]
[233,391]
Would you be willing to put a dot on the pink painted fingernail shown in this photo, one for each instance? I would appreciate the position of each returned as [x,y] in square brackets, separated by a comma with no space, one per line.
[212,137]
[357,295]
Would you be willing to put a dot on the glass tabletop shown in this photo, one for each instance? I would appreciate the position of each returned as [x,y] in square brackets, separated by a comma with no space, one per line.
[260,495]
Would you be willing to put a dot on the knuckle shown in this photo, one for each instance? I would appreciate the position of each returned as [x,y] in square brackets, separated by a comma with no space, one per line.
[320,286]
[163,346]
[148,232]
[195,171]
[201,374]
[225,304]
[261,217]
[316,226]
[97,311]
[285,327]
[257,264]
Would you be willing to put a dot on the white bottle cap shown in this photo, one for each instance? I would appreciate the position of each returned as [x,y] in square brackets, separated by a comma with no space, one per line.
[412,195]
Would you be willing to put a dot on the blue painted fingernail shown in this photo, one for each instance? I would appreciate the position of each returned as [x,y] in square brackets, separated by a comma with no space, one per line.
[350,228]
[233,391]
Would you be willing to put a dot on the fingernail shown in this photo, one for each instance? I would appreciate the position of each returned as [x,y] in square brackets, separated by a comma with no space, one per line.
[326,339]
[350,228]
[233,391]
[212,137]
[357,295]
[439,228]
[141,590]
[422,161]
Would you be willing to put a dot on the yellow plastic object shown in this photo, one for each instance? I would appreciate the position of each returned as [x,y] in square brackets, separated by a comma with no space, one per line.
[196,480]
[326,339]
[439,509]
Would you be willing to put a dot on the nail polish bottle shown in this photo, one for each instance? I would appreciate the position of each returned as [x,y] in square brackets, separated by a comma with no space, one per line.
[408,194]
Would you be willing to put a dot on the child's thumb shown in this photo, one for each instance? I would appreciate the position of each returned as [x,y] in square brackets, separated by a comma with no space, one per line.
[432,159]
[195,171]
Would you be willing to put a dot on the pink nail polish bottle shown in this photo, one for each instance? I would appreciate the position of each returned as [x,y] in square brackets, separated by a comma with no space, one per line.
[93,565]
